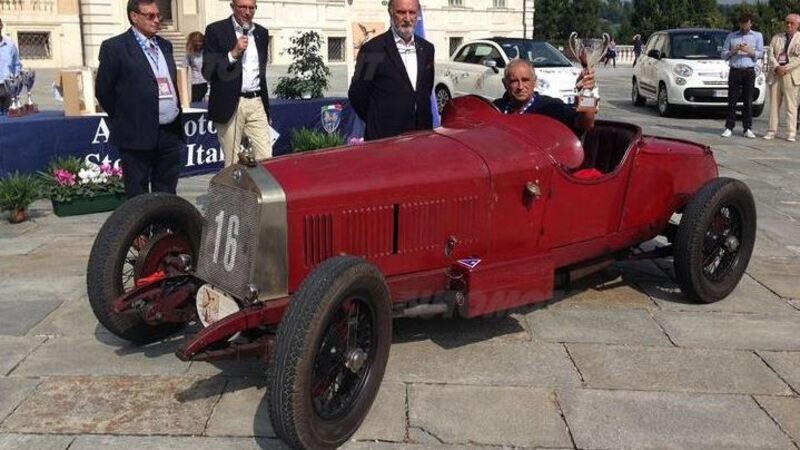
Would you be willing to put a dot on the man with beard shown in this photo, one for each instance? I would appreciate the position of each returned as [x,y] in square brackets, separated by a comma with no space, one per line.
[393,80]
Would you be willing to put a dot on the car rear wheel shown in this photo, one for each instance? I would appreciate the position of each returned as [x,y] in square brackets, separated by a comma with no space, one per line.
[715,240]
[636,97]
[664,108]
[330,354]
[442,97]
[132,244]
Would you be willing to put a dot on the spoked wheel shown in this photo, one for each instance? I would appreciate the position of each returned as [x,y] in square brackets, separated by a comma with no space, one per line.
[715,240]
[442,97]
[330,354]
[136,242]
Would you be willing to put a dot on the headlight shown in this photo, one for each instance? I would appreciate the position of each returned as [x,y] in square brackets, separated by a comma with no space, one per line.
[682,70]
[542,85]
[680,81]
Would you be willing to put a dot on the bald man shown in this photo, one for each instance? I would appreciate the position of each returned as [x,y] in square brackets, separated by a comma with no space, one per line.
[519,79]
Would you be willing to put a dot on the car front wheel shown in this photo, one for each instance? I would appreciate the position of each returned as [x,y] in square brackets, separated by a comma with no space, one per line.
[715,240]
[330,354]
[758,110]
[636,97]
[133,244]
[664,108]
[442,97]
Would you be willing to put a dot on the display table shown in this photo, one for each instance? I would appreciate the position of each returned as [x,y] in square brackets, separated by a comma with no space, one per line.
[28,143]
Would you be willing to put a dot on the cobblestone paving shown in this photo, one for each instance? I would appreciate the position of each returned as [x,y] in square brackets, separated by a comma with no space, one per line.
[620,361]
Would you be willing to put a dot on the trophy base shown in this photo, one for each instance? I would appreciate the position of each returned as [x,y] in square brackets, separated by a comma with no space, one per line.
[31,108]
[16,112]
[586,104]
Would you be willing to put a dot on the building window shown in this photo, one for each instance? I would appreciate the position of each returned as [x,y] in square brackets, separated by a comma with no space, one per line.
[269,50]
[500,4]
[456,3]
[455,42]
[34,45]
[336,49]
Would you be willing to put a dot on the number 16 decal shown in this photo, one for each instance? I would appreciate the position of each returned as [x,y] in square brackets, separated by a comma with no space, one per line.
[229,256]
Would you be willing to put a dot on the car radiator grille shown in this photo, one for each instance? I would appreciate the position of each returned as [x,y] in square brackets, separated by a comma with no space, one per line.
[228,245]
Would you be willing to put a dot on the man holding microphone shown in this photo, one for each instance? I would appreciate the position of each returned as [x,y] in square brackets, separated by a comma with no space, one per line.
[234,63]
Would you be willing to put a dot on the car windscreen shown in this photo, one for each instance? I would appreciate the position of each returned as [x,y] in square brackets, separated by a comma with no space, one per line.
[540,54]
[697,45]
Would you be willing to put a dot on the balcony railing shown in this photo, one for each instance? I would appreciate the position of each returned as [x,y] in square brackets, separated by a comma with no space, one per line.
[45,6]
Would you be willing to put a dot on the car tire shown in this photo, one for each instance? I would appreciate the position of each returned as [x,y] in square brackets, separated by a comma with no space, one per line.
[664,108]
[715,240]
[302,407]
[758,110]
[442,97]
[116,253]
[636,97]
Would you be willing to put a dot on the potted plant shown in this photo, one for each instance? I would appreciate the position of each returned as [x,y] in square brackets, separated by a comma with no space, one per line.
[308,72]
[77,187]
[304,139]
[17,192]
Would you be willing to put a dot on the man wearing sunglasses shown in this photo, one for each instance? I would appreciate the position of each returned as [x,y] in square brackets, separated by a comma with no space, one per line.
[235,63]
[135,85]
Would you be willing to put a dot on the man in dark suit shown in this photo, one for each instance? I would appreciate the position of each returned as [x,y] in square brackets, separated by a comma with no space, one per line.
[235,63]
[136,87]
[393,80]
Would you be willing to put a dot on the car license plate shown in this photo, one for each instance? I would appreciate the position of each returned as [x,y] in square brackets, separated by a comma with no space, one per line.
[721,93]
[214,305]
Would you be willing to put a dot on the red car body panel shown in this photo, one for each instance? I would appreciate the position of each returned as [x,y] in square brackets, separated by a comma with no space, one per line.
[398,202]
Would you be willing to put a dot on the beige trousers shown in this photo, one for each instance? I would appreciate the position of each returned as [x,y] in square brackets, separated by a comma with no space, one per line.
[783,94]
[249,120]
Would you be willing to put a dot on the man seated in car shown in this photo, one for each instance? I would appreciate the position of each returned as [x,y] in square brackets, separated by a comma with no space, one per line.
[519,78]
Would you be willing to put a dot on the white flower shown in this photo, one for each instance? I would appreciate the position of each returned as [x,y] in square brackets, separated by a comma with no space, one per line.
[89,175]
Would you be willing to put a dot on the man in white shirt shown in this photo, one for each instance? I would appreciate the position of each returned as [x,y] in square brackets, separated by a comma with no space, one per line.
[393,80]
[234,63]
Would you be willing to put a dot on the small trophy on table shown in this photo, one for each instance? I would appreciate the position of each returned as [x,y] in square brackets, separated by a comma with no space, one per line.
[589,52]
[14,85]
[28,79]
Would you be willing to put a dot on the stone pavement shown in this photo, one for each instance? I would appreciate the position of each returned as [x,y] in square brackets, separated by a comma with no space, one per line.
[620,361]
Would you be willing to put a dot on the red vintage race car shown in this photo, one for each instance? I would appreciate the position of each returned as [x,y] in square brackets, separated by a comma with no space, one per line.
[304,260]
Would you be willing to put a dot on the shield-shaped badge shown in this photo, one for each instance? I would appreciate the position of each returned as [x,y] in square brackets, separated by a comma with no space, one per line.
[331,117]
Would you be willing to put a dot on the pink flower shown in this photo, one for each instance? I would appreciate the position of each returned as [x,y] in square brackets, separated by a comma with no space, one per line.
[116,172]
[355,141]
[64,177]
[106,169]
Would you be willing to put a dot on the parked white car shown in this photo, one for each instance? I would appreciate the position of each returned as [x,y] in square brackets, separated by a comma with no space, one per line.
[684,68]
[476,67]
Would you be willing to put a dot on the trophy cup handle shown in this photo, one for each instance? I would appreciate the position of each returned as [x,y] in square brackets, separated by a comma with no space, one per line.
[575,46]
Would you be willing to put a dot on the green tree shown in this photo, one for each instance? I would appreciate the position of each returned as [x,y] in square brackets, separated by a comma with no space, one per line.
[584,17]
[549,18]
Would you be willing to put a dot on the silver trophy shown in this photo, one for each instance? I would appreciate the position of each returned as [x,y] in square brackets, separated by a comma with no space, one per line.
[29,79]
[14,84]
[589,52]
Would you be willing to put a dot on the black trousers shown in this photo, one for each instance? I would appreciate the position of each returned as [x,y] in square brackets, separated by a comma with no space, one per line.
[741,84]
[199,91]
[155,170]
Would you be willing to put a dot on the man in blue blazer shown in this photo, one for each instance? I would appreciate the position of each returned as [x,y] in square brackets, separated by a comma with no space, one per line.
[136,86]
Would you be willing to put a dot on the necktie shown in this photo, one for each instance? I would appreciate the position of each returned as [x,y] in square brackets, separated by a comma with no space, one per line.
[153,51]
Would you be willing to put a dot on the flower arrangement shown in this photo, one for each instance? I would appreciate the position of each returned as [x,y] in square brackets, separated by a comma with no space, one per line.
[67,179]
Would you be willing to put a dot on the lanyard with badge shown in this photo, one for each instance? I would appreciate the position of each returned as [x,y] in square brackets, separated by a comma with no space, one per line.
[523,109]
[152,52]
[783,58]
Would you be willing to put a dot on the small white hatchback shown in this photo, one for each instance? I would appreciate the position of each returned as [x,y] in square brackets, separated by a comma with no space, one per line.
[684,68]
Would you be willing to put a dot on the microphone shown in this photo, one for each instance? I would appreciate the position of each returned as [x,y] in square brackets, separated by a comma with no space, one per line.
[245,30]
